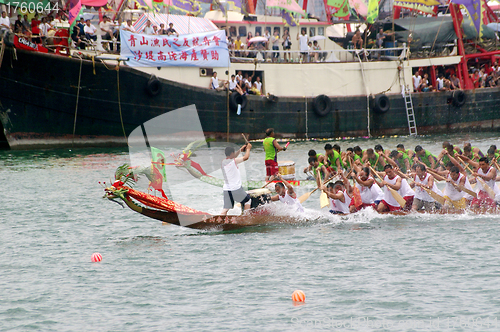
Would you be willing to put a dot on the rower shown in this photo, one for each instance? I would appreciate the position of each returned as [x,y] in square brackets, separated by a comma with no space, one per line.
[319,170]
[232,189]
[422,199]
[318,156]
[458,198]
[286,195]
[392,180]
[271,148]
[400,147]
[425,156]
[333,159]
[358,154]
[448,150]
[374,158]
[400,160]
[380,150]
[370,192]
[338,196]
[472,152]
[489,175]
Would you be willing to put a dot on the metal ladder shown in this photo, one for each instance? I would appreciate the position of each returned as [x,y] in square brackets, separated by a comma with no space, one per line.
[410,115]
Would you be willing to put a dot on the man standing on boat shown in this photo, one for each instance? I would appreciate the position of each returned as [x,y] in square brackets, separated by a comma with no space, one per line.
[271,147]
[232,189]
[286,195]
[303,40]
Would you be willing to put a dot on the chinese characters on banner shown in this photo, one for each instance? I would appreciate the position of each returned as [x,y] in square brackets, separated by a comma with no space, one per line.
[207,49]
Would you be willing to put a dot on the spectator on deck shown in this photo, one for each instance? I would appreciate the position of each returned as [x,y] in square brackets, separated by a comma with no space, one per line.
[357,41]
[214,83]
[18,25]
[106,30]
[257,87]
[148,29]
[171,30]
[276,45]
[234,86]
[162,30]
[44,30]
[90,30]
[287,44]
[4,23]
[128,26]
[318,56]
[238,46]
[455,82]
[35,29]
[381,37]
[75,36]
[416,81]
[303,41]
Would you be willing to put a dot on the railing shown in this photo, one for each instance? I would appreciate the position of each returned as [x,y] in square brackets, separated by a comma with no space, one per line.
[313,56]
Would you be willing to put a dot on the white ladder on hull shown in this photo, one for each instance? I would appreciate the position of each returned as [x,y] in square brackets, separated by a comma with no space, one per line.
[410,115]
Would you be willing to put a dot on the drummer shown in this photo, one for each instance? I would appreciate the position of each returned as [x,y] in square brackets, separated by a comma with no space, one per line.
[286,195]
[271,147]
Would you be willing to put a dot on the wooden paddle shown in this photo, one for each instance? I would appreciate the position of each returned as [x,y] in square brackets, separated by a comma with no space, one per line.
[323,199]
[458,186]
[305,196]
[246,140]
[401,201]
[431,193]
[487,188]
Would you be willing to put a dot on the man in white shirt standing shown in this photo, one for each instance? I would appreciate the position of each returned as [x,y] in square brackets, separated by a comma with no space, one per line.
[416,81]
[148,29]
[232,189]
[106,29]
[128,26]
[303,41]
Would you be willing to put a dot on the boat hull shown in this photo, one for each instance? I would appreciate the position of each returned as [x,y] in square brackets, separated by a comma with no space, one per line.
[48,101]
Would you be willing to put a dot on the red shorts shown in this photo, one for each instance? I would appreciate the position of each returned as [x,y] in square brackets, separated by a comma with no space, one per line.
[407,207]
[483,200]
[363,206]
[271,167]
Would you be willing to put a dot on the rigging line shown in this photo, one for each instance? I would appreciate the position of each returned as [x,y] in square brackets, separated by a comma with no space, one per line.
[77,98]
[437,33]
[367,93]
[119,102]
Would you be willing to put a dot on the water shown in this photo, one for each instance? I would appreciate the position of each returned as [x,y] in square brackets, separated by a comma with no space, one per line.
[364,272]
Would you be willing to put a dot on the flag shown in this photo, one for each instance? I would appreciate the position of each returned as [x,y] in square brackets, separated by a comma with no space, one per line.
[158,161]
[288,19]
[343,10]
[75,6]
[287,5]
[475,9]
[420,2]
[372,11]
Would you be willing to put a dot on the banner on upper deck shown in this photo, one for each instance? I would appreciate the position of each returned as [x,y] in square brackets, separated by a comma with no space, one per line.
[206,49]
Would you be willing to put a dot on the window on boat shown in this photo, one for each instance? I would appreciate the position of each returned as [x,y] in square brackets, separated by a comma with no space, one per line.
[321,31]
[312,32]
[242,31]
[277,29]
[258,30]
[232,31]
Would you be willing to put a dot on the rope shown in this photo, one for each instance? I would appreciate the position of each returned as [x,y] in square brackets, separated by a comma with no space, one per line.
[77,99]
[367,93]
[435,38]
[93,63]
[119,102]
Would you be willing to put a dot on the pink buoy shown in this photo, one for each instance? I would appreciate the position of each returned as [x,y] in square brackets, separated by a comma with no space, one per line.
[96,257]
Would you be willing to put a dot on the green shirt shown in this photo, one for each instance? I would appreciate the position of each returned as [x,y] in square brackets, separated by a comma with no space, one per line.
[332,159]
[374,161]
[401,162]
[270,149]
[425,159]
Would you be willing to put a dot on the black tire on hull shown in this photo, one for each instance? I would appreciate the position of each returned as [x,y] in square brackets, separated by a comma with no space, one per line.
[153,87]
[381,103]
[234,99]
[458,98]
[322,105]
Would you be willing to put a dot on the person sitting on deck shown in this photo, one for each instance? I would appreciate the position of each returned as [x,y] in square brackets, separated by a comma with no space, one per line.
[257,87]
[357,41]
[89,30]
[214,83]
[286,195]
[232,189]
[233,85]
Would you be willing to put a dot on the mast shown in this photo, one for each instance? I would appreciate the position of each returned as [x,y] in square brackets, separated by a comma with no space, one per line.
[463,72]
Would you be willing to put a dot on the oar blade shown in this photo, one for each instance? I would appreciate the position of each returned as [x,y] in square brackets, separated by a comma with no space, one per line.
[304,197]
[323,200]
[401,201]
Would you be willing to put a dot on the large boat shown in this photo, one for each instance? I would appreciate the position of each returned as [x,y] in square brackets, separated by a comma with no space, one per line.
[55,100]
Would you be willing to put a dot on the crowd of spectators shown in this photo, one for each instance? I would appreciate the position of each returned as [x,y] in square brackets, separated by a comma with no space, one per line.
[240,83]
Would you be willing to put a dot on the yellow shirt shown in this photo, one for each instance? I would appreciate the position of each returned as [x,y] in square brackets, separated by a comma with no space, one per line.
[237,45]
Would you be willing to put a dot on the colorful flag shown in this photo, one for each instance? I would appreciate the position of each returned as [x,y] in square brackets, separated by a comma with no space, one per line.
[343,10]
[475,9]
[287,5]
[75,6]
[372,11]
[288,19]
[421,2]
[158,161]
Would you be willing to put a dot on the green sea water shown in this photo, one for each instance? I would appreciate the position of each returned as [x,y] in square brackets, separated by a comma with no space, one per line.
[363,272]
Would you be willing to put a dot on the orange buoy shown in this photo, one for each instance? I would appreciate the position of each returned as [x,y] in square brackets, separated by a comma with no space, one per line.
[96,257]
[298,296]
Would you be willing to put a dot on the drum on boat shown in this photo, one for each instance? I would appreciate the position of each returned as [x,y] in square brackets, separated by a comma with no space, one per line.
[287,169]
[259,197]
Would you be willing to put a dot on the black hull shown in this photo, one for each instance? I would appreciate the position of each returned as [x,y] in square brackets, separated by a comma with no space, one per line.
[38,97]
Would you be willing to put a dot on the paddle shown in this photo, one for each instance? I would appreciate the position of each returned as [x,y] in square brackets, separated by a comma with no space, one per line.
[431,193]
[458,186]
[323,200]
[401,201]
[305,196]
[246,140]
[487,188]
